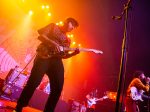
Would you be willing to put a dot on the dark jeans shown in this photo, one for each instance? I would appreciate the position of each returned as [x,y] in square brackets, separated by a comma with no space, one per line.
[54,68]
[130,105]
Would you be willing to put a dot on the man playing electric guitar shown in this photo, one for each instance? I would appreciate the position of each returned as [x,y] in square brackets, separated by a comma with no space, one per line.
[135,90]
[92,100]
[47,62]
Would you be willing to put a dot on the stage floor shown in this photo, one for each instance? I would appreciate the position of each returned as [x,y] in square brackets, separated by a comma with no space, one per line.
[8,106]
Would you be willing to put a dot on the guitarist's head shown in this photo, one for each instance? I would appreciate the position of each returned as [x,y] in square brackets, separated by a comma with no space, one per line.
[93,93]
[70,24]
[140,75]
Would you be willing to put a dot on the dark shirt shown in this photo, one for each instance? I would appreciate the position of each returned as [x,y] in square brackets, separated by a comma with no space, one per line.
[56,34]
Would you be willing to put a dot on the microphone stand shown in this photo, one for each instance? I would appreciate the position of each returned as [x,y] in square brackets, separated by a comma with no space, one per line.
[124,55]
[148,104]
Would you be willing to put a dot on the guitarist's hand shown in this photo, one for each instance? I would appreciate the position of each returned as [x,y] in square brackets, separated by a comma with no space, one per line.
[148,80]
[77,51]
[59,48]
[68,55]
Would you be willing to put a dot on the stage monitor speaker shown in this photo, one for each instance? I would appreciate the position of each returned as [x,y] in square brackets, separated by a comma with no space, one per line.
[39,99]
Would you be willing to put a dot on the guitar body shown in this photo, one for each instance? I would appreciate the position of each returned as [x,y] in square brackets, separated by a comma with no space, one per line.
[45,51]
[91,103]
[135,94]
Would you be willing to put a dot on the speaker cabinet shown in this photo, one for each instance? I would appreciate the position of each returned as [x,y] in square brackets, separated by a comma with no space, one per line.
[39,99]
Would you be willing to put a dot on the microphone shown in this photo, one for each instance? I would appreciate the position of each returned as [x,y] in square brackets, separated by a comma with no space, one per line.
[126,7]
[116,17]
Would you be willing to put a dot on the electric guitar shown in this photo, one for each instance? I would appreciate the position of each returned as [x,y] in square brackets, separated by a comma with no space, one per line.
[45,52]
[93,101]
[136,94]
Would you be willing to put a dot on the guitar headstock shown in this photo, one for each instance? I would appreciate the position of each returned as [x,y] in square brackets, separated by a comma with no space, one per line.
[105,97]
[96,51]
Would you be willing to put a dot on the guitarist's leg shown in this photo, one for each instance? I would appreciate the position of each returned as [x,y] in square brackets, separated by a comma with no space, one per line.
[56,76]
[35,78]
[130,105]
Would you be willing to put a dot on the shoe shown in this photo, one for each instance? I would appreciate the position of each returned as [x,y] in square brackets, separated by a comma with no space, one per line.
[16,111]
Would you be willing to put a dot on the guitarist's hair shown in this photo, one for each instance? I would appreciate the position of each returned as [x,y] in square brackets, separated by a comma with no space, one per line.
[137,73]
[73,21]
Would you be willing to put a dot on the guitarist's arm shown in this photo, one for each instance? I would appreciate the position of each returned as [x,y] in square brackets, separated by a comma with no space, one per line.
[140,85]
[68,55]
[44,38]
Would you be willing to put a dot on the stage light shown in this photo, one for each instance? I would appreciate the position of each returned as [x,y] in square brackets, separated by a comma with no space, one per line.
[114,96]
[43,6]
[70,52]
[49,14]
[57,23]
[61,23]
[71,35]
[79,45]
[47,6]
[68,36]
[30,12]
[74,43]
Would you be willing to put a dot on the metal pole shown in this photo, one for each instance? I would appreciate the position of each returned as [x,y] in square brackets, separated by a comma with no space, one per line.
[123,57]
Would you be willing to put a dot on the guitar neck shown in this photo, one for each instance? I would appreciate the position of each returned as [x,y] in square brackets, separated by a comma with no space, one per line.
[81,49]
[84,50]
[99,99]
[104,97]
